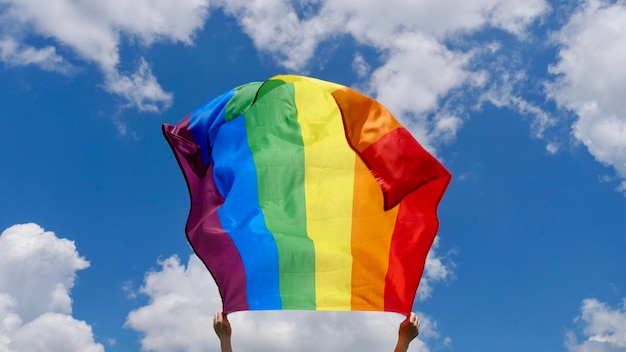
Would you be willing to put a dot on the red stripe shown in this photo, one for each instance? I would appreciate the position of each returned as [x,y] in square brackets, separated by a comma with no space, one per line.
[410,176]
[414,233]
[401,165]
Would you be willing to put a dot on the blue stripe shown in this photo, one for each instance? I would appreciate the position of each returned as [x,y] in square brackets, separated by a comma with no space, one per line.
[241,216]
[206,120]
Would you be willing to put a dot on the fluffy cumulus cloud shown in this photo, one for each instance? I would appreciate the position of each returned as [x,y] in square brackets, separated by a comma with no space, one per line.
[37,272]
[183,299]
[604,328]
[590,79]
[93,30]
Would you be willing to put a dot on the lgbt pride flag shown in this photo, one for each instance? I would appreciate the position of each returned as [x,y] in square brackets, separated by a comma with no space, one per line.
[306,194]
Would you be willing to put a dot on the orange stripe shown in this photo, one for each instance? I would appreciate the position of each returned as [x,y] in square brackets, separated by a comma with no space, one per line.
[372,229]
[365,119]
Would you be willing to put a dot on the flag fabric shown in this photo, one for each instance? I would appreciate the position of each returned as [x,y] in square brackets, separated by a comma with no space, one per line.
[306,194]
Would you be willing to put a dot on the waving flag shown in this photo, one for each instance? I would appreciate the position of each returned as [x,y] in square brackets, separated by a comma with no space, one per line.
[306,194]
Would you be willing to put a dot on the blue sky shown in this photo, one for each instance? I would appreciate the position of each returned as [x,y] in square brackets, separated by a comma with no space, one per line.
[522,100]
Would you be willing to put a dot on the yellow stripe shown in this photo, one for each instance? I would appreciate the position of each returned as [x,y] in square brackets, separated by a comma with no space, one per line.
[328,185]
[330,87]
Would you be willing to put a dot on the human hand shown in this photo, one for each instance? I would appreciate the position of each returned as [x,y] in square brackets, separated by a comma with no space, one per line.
[409,329]
[222,326]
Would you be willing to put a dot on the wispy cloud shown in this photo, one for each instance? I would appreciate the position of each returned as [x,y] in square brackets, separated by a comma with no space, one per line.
[92,30]
[14,53]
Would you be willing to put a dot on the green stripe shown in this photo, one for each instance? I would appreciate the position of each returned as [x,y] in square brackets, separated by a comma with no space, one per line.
[275,140]
[242,100]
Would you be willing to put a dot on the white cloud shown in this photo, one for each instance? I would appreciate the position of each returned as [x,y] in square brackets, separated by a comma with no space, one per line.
[50,263]
[14,53]
[590,78]
[445,126]
[360,66]
[418,67]
[515,16]
[37,272]
[553,148]
[93,30]
[419,71]
[275,27]
[504,90]
[441,18]
[54,332]
[140,89]
[437,269]
[604,328]
[182,303]
[183,300]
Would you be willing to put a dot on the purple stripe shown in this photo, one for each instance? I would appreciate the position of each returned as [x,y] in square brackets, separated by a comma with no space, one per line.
[204,230]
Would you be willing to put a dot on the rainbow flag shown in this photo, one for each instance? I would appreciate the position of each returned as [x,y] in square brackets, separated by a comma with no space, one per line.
[306,194]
